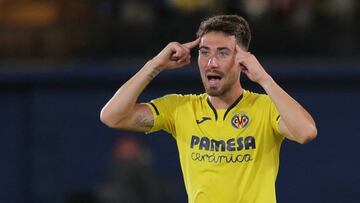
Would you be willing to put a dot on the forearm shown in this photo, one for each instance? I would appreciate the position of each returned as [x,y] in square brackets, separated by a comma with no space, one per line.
[299,123]
[124,100]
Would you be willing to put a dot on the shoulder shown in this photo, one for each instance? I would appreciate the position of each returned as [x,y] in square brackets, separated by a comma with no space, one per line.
[179,99]
[184,97]
[253,97]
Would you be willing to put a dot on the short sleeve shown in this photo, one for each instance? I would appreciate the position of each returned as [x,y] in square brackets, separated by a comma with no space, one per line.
[164,111]
[274,118]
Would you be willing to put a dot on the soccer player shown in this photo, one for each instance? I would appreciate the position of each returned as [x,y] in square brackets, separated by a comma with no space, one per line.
[228,138]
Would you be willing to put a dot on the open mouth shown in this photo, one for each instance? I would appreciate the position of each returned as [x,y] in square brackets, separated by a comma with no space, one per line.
[213,77]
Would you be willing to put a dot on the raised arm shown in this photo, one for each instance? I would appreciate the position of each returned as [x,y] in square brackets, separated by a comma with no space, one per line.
[295,123]
[122,111]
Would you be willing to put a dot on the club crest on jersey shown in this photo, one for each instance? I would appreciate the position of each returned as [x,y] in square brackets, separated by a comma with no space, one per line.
[240,120]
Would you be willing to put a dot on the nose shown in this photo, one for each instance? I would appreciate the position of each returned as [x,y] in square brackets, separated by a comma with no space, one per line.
[212,62]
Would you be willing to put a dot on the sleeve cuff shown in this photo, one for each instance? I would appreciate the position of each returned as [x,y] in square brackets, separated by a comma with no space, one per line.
[155,112]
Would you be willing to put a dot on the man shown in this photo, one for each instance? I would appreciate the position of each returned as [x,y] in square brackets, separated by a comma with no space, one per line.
[228,138]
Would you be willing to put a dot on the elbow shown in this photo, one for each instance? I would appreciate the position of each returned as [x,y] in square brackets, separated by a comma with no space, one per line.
[308,134]
[107,119]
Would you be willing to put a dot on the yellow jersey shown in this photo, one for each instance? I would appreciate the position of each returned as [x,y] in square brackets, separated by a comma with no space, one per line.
[226,155]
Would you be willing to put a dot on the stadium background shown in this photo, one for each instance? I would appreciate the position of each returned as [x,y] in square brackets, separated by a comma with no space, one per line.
[60,61]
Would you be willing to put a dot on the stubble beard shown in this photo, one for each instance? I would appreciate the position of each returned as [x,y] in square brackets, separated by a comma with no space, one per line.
[223,89]
[218,91]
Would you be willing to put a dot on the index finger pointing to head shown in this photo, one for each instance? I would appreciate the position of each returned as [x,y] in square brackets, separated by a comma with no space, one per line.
[192,44]
[239,49]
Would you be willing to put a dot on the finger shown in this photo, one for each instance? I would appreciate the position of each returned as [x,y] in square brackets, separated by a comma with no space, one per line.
[177,56]
[239,50]
[192,44]
[241,58]
[239,55]
[177,53]
[188,59]
[243,67]
[183,59]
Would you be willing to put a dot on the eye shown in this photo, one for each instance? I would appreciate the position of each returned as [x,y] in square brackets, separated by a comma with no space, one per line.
[204,53]
[223,54]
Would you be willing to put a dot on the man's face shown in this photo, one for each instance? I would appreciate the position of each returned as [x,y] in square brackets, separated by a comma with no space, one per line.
[216,62]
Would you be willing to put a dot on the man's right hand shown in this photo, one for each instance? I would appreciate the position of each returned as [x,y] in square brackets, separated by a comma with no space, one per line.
[175,55]
[122,111]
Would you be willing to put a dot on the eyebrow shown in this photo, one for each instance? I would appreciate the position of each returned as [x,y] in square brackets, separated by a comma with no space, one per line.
[203,47]
[219,48]
[223,48]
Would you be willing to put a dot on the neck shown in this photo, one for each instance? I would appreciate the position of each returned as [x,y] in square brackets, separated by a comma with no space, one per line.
[226,100]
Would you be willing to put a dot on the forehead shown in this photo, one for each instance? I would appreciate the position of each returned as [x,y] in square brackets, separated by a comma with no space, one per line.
[217,39]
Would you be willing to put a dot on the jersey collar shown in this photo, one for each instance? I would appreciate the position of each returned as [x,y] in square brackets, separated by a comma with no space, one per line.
[228,109]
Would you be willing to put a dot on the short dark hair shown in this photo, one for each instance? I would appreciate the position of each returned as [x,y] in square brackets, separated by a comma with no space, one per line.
[228,24]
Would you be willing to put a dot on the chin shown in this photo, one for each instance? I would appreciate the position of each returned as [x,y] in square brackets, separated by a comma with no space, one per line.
[214,93]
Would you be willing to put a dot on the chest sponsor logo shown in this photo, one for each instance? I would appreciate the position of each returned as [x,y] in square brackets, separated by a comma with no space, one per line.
[234,150]
[240,120]
[207,144]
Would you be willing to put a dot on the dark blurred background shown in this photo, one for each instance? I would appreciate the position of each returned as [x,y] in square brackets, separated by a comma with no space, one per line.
[64,29]
[60,61]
